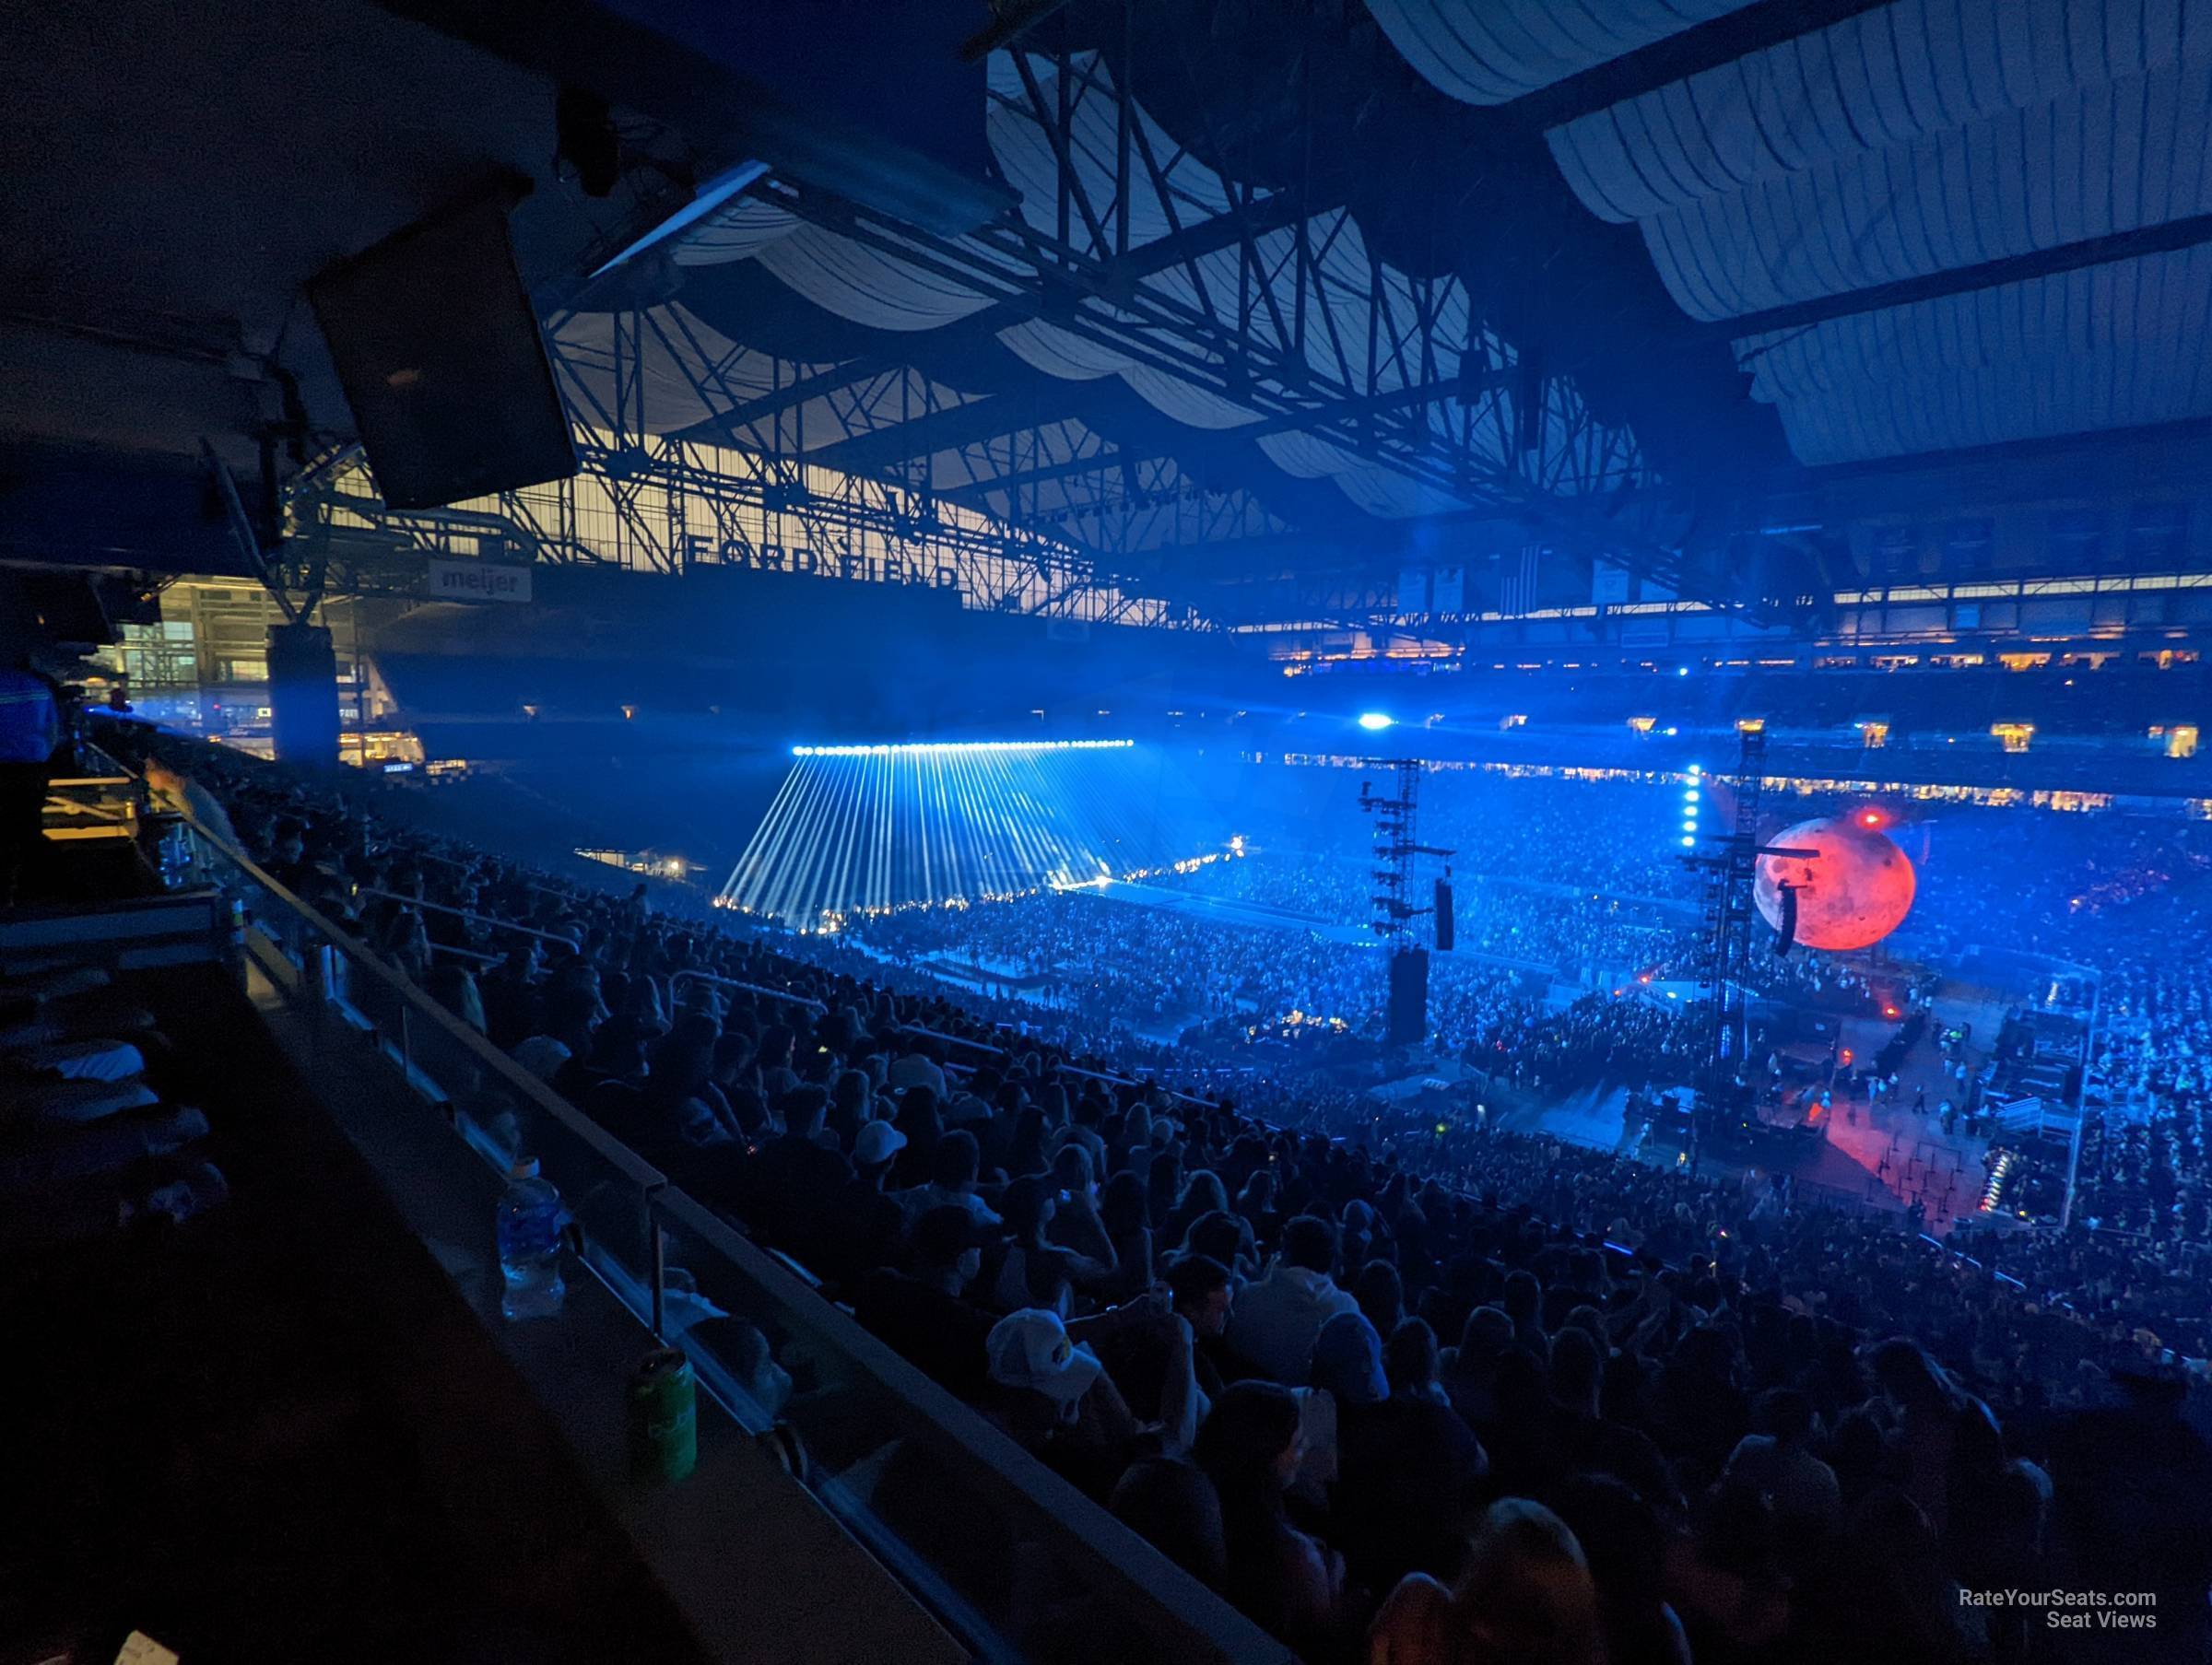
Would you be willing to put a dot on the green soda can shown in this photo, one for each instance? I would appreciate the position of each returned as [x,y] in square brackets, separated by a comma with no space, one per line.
[663,1418]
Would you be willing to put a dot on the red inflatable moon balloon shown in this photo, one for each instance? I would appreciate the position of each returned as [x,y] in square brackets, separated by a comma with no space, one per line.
[1854,893]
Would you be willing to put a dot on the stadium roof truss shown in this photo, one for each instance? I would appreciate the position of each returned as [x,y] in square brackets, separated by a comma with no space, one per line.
[1255,326]
[1181,370]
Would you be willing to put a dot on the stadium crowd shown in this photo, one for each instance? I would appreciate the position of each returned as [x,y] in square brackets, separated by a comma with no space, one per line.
[1494,1400]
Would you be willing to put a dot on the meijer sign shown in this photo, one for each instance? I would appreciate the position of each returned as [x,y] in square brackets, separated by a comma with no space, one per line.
[476,582]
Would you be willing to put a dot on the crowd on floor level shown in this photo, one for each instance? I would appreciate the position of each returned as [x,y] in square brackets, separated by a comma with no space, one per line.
[1531,1403]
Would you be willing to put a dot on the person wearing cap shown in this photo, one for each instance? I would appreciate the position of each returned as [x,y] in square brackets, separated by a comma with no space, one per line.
[861,1226]
[1055,1398]
[916,1068]
[879,1142]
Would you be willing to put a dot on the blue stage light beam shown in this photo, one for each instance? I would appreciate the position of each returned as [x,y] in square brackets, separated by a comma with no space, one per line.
[861,830]
[952,748]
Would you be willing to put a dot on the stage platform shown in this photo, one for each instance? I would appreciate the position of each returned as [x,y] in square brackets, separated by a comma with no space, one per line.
[1884,1156]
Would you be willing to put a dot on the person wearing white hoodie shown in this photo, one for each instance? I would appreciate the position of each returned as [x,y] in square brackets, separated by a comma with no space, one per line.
[1277,1319]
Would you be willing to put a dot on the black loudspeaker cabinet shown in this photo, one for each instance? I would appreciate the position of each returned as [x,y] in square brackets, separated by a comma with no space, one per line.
[1447,930]
[1409,997]
[303,694]
[438,349]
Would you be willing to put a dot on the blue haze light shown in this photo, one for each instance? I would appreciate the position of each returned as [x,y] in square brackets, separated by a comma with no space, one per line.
[1374,722]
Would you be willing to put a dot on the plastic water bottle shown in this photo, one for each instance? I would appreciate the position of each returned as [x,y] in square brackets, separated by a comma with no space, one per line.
[529,1231]
[176,858]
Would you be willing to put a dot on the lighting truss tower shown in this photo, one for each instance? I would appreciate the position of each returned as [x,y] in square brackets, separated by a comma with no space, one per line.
[1397,847]
[1730,863]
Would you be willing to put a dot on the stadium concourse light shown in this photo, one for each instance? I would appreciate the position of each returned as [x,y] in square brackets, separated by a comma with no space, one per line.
[940,748]
[1374,722]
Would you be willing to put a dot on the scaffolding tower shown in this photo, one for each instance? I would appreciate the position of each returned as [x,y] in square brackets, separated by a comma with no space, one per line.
[1397,847]
[1730,864]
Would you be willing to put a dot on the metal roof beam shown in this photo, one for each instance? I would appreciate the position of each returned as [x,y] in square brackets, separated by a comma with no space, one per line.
[1106,463]
[2171,238]
[969,424]
[1693,52]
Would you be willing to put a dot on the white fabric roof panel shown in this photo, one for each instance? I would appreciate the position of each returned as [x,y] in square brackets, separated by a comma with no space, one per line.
[2163,300]
[2114,159]
[1883,79]
[1945,410]
[737,232]
[1491,52]
[865,284]
[691,374]
[2109,346]
[1923,138]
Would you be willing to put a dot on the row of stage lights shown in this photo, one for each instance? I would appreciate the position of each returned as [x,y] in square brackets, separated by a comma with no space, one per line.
[938,748]
[1693,795]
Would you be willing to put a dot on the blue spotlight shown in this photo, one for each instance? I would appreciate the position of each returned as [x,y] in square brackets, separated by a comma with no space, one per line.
[1688,841]
[1681,670]
[1374,722]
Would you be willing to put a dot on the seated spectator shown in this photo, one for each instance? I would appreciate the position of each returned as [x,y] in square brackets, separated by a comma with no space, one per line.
[1408,1468]
[953,1166]
[1034,1272]
[1285,1581]
[1380,1295]
[1057,1402]
[921,1313]
[1525,1598]
[1279,1318]
[1144,1359]
[573,1015]
[1172,1504]
[1776,1461]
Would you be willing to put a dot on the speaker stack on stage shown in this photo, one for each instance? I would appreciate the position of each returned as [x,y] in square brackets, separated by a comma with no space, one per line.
[1408,1020]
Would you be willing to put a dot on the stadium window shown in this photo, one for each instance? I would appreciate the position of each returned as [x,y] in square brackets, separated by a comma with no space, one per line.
[1873,735]
[2181,740]
[2015,736]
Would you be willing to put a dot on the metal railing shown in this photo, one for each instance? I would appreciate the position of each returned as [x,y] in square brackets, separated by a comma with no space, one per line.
[496,923]
[1006,1555]
[763,989]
